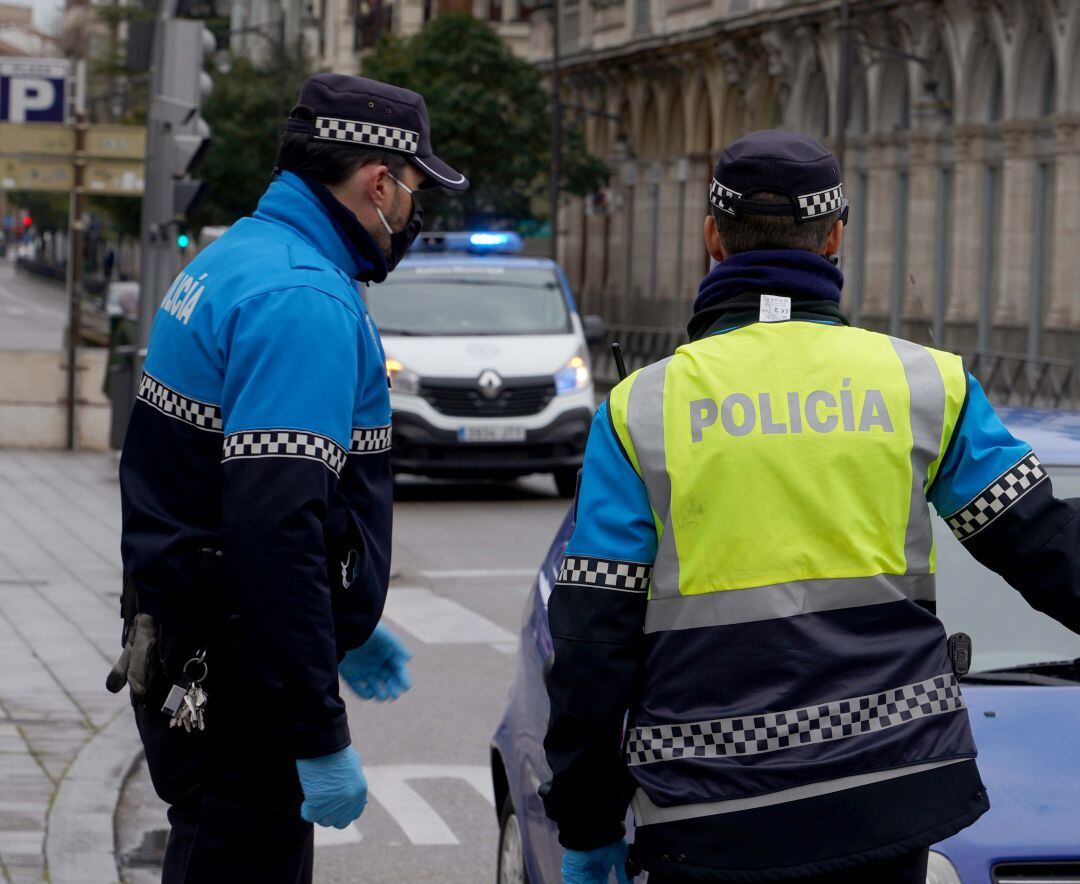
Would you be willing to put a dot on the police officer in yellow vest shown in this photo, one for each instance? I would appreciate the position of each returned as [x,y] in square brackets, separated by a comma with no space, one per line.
[750,582]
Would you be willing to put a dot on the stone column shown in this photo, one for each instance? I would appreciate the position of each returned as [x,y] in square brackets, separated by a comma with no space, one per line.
[969,169]
[879,230]
[693,251]
[924,204]
[1064,308]
[1018,181]
[572,240]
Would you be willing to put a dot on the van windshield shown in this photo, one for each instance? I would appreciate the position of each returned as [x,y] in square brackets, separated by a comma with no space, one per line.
[469,299]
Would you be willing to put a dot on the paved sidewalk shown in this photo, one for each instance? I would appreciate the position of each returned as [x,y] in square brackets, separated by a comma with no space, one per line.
[59,634]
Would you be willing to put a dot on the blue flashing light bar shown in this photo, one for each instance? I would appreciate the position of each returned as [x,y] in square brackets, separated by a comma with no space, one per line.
[477,243]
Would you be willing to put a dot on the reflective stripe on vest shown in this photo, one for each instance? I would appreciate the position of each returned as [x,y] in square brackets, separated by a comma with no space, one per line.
[646,813]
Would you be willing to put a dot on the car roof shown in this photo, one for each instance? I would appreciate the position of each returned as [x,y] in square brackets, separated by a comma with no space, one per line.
[457,259]
[1053,434]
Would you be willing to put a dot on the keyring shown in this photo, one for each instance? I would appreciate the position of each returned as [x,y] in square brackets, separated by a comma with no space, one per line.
[201,659]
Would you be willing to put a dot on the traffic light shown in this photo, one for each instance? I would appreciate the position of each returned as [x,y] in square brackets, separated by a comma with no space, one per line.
[182,239]
[186,85]
[27,222]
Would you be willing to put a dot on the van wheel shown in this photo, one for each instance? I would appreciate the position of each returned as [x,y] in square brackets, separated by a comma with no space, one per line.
[566,482]
[511,868]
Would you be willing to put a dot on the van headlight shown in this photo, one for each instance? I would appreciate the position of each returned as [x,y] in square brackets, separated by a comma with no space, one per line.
[574,377]
[401,379]
[940,871]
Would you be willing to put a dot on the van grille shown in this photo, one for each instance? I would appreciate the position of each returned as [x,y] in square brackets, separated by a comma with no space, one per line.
[517,397]
[1036,873]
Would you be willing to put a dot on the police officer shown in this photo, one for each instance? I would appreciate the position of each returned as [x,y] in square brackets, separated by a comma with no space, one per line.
[751,576]
[257,495]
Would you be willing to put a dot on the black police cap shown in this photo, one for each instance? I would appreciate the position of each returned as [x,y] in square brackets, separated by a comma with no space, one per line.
[375,116]
[796,166]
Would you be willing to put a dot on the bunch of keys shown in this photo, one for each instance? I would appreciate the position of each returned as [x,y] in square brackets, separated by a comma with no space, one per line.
[186,703]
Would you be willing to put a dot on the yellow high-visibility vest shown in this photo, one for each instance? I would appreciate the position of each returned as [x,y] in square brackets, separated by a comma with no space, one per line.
[788,473]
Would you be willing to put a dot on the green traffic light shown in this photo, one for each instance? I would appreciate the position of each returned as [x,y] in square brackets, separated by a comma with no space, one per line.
[183,240]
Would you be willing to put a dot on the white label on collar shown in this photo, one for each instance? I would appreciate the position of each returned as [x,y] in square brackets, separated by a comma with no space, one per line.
[775,308]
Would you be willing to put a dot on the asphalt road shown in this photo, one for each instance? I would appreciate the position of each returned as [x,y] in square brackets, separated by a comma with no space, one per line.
[464,560]
[33,312]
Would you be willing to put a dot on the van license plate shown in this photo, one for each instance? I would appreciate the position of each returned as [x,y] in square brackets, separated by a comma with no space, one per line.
[495,433]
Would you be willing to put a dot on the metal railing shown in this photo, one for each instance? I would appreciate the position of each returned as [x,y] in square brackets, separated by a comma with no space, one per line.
[1016,379]
[1007,378]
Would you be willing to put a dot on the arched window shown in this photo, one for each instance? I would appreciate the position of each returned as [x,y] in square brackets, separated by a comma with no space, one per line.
[895,104]
[650,130]
[816,104]
[1037,88]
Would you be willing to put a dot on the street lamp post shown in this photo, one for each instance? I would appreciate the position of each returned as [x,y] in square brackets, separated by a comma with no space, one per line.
[556,131]
[843,99]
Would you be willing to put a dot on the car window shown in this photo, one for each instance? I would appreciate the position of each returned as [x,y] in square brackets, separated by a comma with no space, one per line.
[1005,630]
[469,299]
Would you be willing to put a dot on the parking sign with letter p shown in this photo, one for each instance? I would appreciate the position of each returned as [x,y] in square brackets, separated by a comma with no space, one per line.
[33,90]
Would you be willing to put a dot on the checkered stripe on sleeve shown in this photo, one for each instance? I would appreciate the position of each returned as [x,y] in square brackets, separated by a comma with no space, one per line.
[774,731]
[605,573]
[284,443]
[721,197]
[814,205]
[202,415]
[370,440]
[370,134]
[997,497]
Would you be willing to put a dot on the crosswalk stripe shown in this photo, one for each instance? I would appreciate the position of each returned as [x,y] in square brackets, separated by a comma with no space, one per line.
[478,572]
[435,620]
[388,785]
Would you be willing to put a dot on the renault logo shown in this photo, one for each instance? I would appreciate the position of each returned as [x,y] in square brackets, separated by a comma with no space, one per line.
[490,384]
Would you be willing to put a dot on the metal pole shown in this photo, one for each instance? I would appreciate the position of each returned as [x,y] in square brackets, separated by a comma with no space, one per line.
[843,98]
[75,259]
[556,131]
[157,202]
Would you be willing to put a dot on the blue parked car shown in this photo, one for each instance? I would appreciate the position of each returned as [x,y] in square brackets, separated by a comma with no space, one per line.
[1023,697]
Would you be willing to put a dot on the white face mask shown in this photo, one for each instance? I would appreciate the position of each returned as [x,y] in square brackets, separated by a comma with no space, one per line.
[404,187]
[401,240]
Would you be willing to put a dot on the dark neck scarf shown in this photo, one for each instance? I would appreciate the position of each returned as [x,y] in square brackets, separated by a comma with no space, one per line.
[368,255]
[731,291]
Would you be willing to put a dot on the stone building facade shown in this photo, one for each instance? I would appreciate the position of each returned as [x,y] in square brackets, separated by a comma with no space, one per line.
[962,157]
[337,34]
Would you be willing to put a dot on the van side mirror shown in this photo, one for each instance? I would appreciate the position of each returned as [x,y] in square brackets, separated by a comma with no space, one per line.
[595,330]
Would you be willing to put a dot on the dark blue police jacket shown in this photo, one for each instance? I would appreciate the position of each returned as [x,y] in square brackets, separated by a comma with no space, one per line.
[262,429]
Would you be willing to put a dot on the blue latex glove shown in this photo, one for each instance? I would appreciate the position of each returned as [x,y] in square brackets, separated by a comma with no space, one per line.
[335,790]
[376,670]
[594,866]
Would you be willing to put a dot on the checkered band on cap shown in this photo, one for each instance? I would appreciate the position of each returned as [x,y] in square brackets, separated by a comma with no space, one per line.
[997,497]
[814,205]
[368,134]
[773,731]
[370,440]
[202,415]
[719,195]
[605,573]
[284,443]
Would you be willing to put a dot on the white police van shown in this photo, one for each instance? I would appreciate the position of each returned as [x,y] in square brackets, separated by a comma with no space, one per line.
[488,361]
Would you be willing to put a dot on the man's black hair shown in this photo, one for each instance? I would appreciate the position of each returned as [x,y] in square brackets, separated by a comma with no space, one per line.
[330,162]
[749,233]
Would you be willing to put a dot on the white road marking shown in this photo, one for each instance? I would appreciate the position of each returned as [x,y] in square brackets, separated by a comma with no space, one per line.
[435,620]
[389,785]
[331,837]
[478,572]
